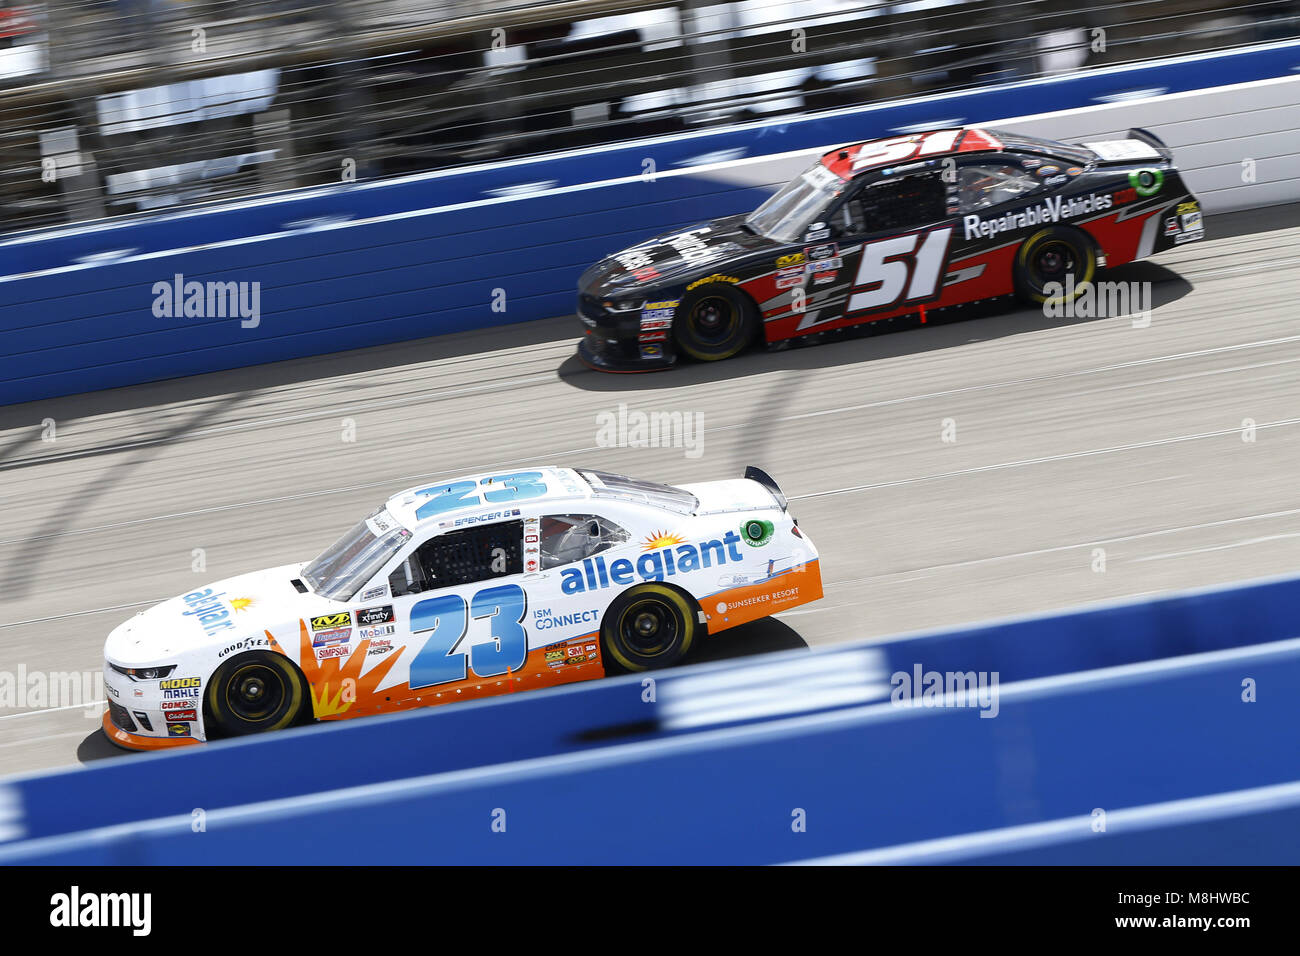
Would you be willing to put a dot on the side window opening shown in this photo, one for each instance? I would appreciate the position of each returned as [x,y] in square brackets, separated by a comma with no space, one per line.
[901,204]
[572,537]
[461,557]
[983,185]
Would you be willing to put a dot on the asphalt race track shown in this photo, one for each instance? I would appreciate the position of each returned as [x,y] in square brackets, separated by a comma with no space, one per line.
[1072,435]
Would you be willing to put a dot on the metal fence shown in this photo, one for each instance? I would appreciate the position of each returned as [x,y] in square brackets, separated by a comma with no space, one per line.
[115,107]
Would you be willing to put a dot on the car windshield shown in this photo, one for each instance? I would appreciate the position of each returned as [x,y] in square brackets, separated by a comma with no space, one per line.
[352,560]
[605,485]
[786,216]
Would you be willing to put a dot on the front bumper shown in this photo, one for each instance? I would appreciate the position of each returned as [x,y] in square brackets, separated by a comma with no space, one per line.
[124,738]
[615,342]
[152,715]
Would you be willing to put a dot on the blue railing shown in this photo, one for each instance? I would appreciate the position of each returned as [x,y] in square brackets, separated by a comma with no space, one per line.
[375,263]
[1131,709]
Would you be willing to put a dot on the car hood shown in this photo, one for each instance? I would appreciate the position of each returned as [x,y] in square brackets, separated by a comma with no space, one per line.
[673,258]
[217,613]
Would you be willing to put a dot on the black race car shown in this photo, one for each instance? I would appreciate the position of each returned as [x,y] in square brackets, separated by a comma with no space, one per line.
[888,228]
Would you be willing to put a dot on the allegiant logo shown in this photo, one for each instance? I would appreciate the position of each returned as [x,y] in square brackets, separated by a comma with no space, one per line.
[596,574]
[206,605]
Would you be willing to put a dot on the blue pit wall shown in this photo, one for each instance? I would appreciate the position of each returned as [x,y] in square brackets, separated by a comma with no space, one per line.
[1161,731]
[373,263]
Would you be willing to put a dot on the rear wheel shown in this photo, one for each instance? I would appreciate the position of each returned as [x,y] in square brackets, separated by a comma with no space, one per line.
[714,322]
[1053,266]
[650,625]
[253,693]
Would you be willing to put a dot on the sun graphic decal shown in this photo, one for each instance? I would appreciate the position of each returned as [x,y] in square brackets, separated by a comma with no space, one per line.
[240,604]
[661,539]
[337,684]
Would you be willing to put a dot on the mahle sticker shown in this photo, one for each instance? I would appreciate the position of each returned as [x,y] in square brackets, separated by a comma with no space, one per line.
[757,532]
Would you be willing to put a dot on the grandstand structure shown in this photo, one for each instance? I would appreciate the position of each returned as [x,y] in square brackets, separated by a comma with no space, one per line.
[122,107]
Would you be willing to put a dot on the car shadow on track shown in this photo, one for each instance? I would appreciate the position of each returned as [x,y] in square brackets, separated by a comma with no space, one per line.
[953,328]
[97,747]
[757,637]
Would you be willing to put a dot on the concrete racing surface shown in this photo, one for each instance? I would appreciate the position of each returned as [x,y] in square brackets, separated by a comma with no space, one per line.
[1092,460]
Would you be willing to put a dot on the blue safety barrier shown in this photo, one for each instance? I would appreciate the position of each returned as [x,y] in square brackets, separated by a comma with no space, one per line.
[374,263]
[1065,753]
[715,705]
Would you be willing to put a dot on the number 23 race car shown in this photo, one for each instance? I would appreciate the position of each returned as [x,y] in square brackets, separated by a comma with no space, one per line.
[487,585]
[885,229]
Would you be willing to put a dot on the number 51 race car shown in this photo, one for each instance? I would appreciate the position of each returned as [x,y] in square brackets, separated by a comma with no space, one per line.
[886,229]
[487,585]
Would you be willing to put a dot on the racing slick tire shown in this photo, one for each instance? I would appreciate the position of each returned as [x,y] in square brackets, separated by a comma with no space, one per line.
[253,693]
[1057,255]
[650,625]
[714,322]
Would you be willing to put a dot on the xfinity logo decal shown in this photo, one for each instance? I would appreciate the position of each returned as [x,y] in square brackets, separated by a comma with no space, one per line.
[1050,210]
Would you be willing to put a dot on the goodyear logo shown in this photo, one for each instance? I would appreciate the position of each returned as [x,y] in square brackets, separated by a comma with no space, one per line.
[714,278]
[341,619]
[178,683]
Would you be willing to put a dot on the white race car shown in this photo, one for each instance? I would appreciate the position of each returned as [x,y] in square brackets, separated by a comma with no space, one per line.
[481,586]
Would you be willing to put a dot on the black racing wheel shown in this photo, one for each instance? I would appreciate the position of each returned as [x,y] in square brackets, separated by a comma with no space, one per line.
[1054,265]
[714,322]
[253,693]
[650,625]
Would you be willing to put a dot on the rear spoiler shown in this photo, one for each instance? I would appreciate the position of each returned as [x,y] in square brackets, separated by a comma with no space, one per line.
[764,479]
[1154,141]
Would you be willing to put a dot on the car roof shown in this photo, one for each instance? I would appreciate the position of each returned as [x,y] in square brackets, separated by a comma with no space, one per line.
[844,160]
[473,496]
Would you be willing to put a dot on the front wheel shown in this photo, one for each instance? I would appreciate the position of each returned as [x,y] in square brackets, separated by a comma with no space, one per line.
[650,625]
[253,693]
[714,322]
[1054,265]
